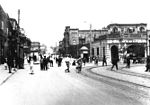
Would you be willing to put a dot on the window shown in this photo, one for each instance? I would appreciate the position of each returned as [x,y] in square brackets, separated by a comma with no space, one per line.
[115,30]
[103,51]
[2,25]
[97,51]
[92,51]
[142,29]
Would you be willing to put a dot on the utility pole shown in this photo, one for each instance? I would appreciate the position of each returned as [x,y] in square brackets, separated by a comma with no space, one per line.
[18,41]
[147,43]
[90,40]
[18,17]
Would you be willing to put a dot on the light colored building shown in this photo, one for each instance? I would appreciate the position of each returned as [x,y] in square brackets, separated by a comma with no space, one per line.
[125,38]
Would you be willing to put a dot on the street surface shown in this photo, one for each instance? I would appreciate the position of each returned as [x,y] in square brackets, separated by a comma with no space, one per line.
[55,87]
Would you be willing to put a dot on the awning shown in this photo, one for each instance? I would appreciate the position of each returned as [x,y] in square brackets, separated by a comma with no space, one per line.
[84,48]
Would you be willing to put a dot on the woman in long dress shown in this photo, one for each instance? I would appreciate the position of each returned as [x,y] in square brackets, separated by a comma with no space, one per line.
[31,66]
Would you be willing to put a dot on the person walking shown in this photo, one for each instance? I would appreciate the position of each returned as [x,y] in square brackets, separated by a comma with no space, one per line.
[59,61]
[147,64]
[84,61]
[128,60]
[104,61]
[6,63]
[96,61]
[115,63]
[79,65]
[10,63]
[31,66]
[67,61]
[41,63]
[45,63]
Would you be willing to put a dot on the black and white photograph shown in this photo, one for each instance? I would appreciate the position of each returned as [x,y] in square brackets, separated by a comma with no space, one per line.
[74,52]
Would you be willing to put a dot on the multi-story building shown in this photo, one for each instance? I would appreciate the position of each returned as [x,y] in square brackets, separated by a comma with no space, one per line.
[148,42]
[12,40]
[77,42]
[116,40]
[124,38]
[3,33]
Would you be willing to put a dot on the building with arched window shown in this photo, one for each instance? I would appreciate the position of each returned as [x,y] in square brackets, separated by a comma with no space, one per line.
[124,38]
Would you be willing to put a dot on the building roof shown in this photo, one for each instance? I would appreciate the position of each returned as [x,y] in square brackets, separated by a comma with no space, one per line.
[116,24]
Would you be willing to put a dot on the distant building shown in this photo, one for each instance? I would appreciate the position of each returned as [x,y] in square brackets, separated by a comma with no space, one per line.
[3,34]
[115,40]
[35,46]
[43,49]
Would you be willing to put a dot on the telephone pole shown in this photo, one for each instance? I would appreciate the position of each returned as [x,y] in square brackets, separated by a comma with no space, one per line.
[90,40]
[18,41]
[18,17]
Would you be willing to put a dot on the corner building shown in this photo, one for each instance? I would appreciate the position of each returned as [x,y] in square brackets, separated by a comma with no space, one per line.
[122,39]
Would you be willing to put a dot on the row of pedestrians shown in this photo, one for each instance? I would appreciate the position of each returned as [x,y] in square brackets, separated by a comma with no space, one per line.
[105,70]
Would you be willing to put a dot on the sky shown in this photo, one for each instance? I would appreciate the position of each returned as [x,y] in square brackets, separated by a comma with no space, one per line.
[45,20]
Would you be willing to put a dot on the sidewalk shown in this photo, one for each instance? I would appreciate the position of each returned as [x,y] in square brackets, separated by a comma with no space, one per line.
[135,74]
[4,75]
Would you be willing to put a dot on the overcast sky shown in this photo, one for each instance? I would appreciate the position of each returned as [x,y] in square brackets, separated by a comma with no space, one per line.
[45,20]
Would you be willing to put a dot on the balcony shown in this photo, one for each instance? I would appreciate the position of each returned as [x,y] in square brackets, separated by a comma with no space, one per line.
[114,35]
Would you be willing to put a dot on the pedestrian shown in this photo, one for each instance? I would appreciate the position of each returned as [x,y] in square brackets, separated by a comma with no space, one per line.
[10,63]
[14,64]
[59,61]
[115,63]
[74,63]
[67,61]
[147,64]
[84,61]
[31,66]
[104,60]
[79,64]
[96,61]
[41,63]
[45,62]
[5,63]
[51,62]
[128,60]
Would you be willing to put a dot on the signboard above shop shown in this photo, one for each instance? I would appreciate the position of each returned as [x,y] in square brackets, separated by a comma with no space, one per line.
[128,41]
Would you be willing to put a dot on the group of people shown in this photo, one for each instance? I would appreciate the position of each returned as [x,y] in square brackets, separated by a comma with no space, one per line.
[44,61]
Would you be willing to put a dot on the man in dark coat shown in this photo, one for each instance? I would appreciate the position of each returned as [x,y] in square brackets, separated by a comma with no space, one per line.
[115,63]
[128,61]
[45,63]
[104,60]
[59,61]
[147,64]
[10,63]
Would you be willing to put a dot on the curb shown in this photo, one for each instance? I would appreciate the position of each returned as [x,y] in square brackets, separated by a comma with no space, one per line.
[7,78]
[89,70]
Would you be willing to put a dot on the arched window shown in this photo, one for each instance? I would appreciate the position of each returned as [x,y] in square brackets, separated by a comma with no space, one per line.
[115,29]
[142,29]
[129,30]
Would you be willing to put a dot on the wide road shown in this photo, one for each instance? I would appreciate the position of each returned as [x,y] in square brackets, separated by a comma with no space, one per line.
[54,87]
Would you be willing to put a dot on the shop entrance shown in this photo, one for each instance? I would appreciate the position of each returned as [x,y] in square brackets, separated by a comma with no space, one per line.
[114,52]
[136,50]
